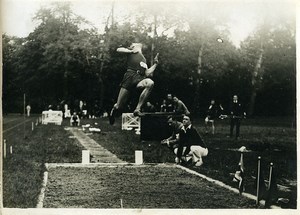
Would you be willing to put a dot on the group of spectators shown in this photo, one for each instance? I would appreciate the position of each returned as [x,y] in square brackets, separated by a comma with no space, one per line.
[174,105]
[169,105]
[187,144]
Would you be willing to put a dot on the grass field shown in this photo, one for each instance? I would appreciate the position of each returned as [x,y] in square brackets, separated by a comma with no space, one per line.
[273,139]
[22,170]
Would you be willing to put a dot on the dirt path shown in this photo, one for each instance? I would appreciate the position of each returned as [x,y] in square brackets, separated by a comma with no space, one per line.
[98,153]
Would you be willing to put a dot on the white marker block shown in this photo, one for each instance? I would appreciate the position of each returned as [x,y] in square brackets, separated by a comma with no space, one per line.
[85,156]
[10,149]
[32,126]
[139,157]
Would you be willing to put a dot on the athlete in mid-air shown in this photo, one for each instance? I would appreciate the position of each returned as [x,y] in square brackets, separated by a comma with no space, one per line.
[137,76]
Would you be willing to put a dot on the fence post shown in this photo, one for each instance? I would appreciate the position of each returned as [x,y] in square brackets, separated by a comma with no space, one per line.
[4,148]
[257,183]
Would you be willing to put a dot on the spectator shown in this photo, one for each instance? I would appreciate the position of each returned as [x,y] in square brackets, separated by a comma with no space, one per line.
[169,103]
[67,113]
[236,114]
[149,107]
[163,107]
[172,141]
[213,112]
[84,110]
[180,107]
[28,108]
[191,147]
[75,120]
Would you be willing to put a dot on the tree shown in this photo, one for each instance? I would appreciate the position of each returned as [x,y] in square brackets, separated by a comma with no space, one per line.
[269,55]
[12,86]
[55,58]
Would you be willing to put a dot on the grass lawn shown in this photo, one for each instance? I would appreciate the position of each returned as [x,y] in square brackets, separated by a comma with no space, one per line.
[272,139]
[23,170]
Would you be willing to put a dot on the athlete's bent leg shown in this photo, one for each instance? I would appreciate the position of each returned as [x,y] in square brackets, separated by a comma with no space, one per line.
[213,127]
[122,99]
[121,102]
[147,85]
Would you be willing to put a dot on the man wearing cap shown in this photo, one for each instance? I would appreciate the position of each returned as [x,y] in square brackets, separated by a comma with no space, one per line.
[137,76]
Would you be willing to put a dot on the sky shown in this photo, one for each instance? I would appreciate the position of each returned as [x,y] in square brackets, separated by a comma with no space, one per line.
[244,15]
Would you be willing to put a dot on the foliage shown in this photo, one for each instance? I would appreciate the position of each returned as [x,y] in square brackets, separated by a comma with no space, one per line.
[60,61]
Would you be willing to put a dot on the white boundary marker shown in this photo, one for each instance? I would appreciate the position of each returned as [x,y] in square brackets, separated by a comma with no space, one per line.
[139,157]
[221,184]
[42,193]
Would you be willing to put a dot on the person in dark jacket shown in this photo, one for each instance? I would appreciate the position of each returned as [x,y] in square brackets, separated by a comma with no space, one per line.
[191,147]
[236,114]
[180,107]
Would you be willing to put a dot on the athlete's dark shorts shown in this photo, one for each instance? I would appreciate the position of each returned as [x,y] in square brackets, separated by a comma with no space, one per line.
[131,79]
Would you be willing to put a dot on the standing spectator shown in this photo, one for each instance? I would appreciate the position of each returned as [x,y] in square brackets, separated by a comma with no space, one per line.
[149,108]
[180,107]
[236,114]
[84,110]
[163,107]
[50,108]
[66,111]
[28,108]
[169,103]
[213,112]
[80,112]
[191,146]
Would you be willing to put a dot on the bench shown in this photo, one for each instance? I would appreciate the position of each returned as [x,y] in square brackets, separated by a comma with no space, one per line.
[51,116]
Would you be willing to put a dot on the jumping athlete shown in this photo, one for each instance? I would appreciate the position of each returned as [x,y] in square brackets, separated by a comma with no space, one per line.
[137,76]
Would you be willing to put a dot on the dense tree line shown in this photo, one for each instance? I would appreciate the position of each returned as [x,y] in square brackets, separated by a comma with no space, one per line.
[62,62]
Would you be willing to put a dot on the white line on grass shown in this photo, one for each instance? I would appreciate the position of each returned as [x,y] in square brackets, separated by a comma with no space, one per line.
[10,120]
[42,193]
[15,126]
[219,183]
[91,165]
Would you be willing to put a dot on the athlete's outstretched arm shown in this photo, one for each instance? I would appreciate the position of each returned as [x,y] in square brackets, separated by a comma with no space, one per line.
[125,50]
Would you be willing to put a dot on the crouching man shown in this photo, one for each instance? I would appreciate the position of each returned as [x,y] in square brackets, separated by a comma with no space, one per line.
[191,146]
[75,120]
[172,141]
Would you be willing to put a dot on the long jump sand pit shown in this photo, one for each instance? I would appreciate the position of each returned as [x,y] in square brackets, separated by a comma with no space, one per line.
[134,186]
